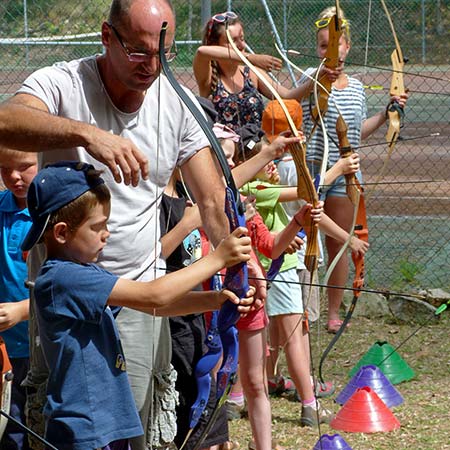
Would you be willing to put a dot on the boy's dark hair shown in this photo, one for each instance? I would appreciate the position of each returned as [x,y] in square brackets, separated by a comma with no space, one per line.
[54,195]
[75,212]
[252,139]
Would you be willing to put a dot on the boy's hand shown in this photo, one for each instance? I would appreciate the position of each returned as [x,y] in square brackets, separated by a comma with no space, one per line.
[192,216]
[358,246]
[348,165]
[296,244]
[401,99]
[250,207]
[10,314]
[265,62]
[245,305]
[315,213]
[280,145]
[332,74]
[272,173]
[235,248]
[257,280]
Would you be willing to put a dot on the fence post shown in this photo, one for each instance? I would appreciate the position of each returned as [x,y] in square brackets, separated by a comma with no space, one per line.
[423,34]
[206,11]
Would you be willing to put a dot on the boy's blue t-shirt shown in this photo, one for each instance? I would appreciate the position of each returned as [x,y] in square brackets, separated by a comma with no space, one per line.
[89,399]
[14,225]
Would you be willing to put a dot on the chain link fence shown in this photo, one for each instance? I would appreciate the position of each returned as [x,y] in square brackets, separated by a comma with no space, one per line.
[409,209]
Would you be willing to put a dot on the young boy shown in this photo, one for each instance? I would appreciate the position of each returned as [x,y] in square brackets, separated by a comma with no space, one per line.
[17,171]
[89,400]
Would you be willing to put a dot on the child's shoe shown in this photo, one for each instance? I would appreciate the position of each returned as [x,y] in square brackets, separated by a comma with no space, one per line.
[311,417]
[234,410]
[280,385]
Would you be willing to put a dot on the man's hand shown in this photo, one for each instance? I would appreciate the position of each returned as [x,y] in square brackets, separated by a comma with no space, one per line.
[121,156]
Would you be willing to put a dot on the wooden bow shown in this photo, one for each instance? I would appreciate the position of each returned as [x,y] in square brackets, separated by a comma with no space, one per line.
[331,61]
[305,185]
[395,112]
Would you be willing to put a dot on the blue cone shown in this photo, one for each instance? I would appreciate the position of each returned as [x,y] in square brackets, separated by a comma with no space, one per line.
[334,442]
[374,378]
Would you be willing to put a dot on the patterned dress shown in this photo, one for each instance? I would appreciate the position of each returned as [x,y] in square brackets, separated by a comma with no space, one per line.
[240,108]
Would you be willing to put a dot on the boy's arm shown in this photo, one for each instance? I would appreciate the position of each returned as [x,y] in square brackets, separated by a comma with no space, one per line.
[199,302]
[11,313]
[344,166]
[247,170]
[332,229]
[188,223]
[284,238]
[173,286]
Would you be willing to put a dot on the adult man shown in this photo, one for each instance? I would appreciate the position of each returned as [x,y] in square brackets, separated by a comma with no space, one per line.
[116,109]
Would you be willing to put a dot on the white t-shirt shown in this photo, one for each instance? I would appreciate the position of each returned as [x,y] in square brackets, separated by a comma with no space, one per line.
[162,128]
[352,104]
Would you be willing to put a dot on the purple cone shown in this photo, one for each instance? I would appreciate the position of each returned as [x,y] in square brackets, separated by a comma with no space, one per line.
[374,378]
[334,442]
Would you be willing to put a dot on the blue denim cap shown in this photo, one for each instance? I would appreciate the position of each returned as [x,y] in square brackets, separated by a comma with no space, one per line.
[53,187]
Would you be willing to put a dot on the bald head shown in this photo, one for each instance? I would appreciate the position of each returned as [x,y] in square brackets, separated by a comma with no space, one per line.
[121,9]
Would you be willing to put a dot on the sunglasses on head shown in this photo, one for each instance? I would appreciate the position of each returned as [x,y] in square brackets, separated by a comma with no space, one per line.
[223,17]
[323,23]
[220,18]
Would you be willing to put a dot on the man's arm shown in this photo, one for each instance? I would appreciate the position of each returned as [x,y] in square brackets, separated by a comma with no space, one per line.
[207,186]
[27,125]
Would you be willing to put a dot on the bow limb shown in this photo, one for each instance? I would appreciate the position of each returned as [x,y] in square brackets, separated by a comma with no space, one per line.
[395,112]
[331,62]
[361,232]
[345,151]
[305,186]
[236,278]
[353,189]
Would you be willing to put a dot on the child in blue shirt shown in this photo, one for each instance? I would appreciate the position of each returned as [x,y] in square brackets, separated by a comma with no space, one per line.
[89,400]
[17,171]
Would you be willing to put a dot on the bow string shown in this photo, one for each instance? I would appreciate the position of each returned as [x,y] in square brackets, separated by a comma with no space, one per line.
[395,112]
[236,277]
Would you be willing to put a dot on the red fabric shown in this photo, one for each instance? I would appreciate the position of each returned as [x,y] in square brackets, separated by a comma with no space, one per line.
[262,239]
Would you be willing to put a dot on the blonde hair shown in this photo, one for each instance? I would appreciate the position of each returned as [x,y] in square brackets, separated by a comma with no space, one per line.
[329,12]
[10,158]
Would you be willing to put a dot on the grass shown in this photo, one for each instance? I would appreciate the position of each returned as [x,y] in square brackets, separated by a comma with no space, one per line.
[424,415]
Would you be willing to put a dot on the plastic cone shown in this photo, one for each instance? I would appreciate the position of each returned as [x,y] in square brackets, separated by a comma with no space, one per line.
[382,355]
[373,377]
[334,442]
[365,412]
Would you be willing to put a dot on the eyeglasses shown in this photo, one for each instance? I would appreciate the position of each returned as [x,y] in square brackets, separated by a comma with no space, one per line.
[141,57]
[220,18]
[323,23]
